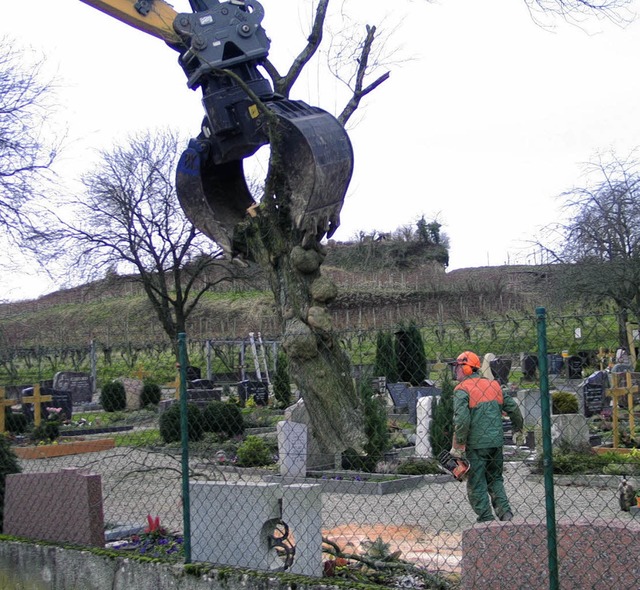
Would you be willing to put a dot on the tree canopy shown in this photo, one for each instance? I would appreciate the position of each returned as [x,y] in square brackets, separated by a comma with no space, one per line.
[26,151]
[129,220]
[599,242]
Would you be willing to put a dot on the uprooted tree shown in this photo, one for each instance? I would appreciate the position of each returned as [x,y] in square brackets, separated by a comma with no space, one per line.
[317,363]
[272,236]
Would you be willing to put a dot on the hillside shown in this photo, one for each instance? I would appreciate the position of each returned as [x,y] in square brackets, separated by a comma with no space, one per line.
[372,296]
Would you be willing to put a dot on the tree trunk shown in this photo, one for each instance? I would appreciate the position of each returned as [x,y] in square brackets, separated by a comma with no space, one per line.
[317,363]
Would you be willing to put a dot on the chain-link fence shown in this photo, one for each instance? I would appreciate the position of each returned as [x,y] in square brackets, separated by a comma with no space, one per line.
[223,467]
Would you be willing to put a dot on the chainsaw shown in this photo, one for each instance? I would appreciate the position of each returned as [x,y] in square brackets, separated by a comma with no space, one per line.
[456,466]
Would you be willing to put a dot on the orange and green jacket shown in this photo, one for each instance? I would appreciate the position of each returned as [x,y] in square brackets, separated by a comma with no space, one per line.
[478,404]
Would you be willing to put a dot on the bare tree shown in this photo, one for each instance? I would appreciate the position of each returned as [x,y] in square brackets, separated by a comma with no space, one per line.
[577,11]
[599,244]
[129,220]
[25,153]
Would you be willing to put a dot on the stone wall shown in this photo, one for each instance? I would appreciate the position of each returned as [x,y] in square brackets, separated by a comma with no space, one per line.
[38,567]
[513,556]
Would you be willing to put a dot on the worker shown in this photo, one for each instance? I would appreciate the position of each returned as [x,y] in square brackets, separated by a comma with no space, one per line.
[478,405]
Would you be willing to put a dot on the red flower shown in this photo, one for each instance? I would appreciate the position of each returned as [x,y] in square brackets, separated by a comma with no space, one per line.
[154,524]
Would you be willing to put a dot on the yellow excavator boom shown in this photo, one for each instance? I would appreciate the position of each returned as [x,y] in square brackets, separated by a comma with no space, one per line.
[158,21]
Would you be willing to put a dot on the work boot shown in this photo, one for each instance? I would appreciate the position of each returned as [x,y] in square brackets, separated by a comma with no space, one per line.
[506,516]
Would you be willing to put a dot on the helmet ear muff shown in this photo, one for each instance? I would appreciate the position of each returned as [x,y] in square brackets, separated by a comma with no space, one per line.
[466,370]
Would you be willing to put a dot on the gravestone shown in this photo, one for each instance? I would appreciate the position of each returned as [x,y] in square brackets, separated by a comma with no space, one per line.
[423,427]
[258,390]
[591,394]
[529,367]
[485,367]
[79,384]
[200,394]
[292,449]
[530,404]
[569,430]
[501,368]
[193,373]
[133,392]
[574,367]
[399,393]
[59,399]
[317,458]
[416,393]
[62,507]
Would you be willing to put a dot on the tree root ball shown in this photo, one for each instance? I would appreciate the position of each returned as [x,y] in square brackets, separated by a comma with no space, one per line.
[306,261]
[299,341]
[323,290]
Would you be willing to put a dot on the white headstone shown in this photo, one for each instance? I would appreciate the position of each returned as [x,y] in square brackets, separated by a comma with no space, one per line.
[424,410]
[317,458]
[530,405]
[485,369]
[292,448]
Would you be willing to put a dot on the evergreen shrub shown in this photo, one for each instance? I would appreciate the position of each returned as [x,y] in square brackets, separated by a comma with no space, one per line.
[113,397]
[223,418]
[151,394]
[170,428]
[564,402]
[254,452]
[16,422]
[282,382]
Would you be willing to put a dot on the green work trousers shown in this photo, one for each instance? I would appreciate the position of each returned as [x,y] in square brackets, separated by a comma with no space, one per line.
[485,485]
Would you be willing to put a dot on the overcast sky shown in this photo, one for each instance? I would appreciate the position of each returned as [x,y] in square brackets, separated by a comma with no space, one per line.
[485,119]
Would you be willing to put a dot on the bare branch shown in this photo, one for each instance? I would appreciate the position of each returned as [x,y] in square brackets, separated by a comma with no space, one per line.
[283,84]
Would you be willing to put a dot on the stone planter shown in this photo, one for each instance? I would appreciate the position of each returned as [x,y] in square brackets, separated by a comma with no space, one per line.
[355,483]
[64,448]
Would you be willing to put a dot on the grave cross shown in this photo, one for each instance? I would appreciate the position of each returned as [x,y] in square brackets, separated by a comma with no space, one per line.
[4,403]
[616,392]
[36,399]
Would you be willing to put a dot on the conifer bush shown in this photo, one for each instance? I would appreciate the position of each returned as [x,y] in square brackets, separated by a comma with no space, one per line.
[282,382]
[441,431]
[113,397]
[386,364]
[223,418]
[254,452]
[16,423]
[151,394]
[410,355]
[170,427]
[564,402]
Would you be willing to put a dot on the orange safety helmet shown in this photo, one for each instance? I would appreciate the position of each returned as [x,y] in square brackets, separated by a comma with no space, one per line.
[469,361]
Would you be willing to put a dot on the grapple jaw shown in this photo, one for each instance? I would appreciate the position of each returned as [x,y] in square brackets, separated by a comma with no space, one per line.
[225,45]
[316,157]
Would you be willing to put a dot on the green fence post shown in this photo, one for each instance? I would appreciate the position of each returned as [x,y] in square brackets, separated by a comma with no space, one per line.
[547,450]
[184,429]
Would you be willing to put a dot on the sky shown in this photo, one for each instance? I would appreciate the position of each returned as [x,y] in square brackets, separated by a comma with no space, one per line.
[486,118]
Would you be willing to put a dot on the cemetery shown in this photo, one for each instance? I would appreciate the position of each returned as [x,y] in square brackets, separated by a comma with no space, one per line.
[290,505]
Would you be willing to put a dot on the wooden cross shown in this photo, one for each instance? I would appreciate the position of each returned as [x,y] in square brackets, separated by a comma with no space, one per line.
[616,392]
[4,403]
[141,373]
[36,399]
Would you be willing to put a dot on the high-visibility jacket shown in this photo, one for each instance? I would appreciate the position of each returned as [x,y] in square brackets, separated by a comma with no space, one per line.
[478,404]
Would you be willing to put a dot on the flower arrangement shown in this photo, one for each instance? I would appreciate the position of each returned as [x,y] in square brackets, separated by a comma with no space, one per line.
[156,541]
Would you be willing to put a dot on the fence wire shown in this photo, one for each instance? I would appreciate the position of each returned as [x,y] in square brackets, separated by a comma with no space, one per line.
[252,488]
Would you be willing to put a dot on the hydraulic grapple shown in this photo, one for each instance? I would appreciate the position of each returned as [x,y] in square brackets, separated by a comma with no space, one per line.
[316,153]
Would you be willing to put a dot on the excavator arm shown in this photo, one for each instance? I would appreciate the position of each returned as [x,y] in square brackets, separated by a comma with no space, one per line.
[154,17]
[221,43]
